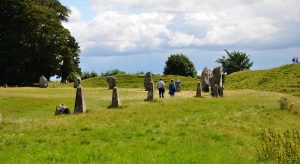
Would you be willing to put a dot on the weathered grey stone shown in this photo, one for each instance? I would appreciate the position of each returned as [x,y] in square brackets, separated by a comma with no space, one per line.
[115,102]
[178,85]
[147,81]
[199,89]
[77,81]
[5,86]
[217,82]
[43,82]
[80,106]
[62,109]
[204,79]
[112,82]
[150,92]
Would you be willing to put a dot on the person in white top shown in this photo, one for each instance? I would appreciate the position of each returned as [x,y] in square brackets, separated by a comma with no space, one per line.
[161,88]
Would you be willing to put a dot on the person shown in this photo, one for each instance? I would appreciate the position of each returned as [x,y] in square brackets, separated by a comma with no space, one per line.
[172,88]
[294,60]
[161,88]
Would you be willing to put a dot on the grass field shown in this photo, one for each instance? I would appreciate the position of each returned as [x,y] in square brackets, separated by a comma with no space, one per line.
[183,129]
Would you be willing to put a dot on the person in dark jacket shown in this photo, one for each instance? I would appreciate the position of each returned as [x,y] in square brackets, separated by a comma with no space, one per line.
[172,88]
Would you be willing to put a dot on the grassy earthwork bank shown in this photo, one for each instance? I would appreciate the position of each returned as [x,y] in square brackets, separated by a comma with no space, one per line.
[182,129]
[285,79]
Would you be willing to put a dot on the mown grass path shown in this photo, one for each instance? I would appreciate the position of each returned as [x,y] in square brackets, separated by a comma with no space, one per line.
[183,129]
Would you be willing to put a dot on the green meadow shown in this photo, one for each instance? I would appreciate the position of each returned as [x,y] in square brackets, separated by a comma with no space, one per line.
[181,129]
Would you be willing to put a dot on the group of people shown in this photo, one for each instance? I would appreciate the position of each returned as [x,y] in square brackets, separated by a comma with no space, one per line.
[161,88]
[295,60]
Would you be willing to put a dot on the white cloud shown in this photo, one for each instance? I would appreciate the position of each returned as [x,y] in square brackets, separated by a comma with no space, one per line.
[134,25]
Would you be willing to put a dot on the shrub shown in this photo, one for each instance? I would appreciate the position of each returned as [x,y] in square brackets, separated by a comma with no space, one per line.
[283,148]
[284,104]
[113,72]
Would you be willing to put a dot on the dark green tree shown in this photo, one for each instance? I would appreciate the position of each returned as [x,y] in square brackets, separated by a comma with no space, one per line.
[179,64]
[236,61]
[33,41]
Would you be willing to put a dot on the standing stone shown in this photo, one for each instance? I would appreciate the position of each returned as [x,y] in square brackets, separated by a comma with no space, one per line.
[80,105]
[216,82]
[205,76]
[147,81]
[62,109]
[150,92]
[199,88]
[5,85]
[178,85]
[112,82]
[43,82]
[77,81]
[115,102]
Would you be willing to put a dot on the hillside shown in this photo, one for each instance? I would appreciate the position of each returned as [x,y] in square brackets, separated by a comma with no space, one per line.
[285,79]
[137,81]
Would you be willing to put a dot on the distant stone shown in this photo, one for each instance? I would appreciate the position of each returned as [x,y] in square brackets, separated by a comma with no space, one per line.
[77,81]
[115,102]
[62,109]
[199,89]
[5,86]
[217,82]
[147,81]
[178,85]
[150,92]
[43,82]
[80,106]
[205,76]
[112,82]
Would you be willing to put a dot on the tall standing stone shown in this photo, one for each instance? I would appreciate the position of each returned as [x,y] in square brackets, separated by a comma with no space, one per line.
[178,85]
[43,82]
[150,92]
[115,102]
[199,89]
[80,106]
[216,82]
[205,76]
[112,82]
[77,81]
[147,81]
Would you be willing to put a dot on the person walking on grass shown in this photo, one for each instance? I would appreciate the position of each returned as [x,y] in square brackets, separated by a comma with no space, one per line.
[161,88]
[172,88]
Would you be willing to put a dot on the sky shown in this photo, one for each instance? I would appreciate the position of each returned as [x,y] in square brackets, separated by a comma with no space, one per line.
[139,35]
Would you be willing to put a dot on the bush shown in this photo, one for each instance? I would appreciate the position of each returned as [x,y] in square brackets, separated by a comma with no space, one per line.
[113,72]
[283,148]
[284,104]
[87,75]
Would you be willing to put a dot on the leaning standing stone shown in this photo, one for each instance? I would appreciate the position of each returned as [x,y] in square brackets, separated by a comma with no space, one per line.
[150,92]
[147,81]
[62,109]
[115,99]
[43,82]
[199,88]
[80,105]
[77,81]
[178,85]
[112,82]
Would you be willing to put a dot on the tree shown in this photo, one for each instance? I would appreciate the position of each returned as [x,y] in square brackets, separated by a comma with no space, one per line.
[236,61]
[33,41]
[179,64]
